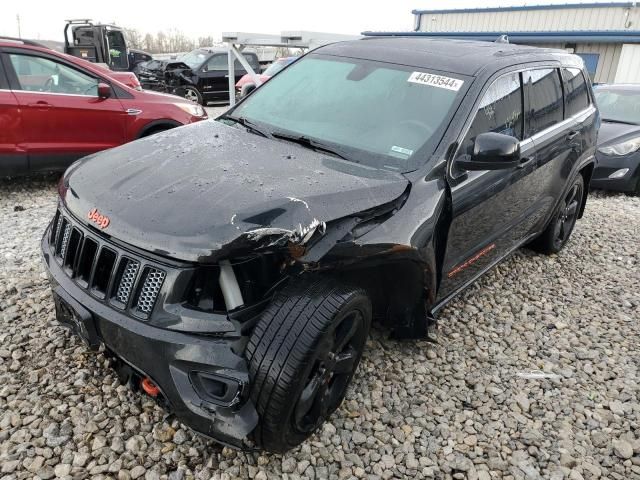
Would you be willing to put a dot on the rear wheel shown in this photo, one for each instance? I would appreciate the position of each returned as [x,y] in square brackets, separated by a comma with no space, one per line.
[557,233]
[302,355]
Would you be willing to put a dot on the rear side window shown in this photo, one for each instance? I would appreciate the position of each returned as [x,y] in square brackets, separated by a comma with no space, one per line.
[545,99]
[500,111]
[576,96]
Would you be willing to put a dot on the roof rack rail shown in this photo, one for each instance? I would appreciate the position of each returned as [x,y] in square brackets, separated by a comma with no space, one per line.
[24,41]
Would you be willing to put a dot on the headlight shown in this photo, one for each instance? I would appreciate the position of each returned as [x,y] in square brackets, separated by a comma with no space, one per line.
[192,109]
[623,148]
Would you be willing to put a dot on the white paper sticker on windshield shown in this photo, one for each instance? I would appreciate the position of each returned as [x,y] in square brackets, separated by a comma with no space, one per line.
[400,152]
[436,81]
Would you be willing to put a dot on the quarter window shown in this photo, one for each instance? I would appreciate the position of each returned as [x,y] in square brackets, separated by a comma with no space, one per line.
[500,111]
[577,97]
[39,74]
[545,99]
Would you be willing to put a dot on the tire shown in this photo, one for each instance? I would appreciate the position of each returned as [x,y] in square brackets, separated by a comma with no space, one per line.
[192,93]
[153,131]
[557,233]
[299,376]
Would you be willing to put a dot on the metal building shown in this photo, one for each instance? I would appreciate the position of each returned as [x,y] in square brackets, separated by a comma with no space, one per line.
[605,35]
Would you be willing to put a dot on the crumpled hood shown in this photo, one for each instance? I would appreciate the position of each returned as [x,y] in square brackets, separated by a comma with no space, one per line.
[193,192]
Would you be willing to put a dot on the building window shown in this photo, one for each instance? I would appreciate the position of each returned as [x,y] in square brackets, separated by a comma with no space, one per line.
[591,63]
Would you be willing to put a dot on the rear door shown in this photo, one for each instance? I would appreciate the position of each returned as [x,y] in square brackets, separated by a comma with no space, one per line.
[555,133]
[62,117]
[13,156]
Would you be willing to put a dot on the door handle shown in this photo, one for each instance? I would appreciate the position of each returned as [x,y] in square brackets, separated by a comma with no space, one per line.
[572,134]
[524,161]
[39,104]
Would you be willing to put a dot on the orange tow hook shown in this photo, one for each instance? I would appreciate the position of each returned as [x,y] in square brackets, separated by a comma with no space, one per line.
[149,387]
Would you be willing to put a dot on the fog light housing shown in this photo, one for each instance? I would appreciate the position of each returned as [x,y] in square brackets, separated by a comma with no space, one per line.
[216,389]
[619,173]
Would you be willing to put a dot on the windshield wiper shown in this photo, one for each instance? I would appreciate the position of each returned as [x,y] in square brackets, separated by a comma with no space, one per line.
[248,124]
[311,144]
[613,120]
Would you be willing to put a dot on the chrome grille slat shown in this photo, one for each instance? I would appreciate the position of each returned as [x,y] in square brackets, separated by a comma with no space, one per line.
[65,240]
[153,281]
[127,281]
[57,232]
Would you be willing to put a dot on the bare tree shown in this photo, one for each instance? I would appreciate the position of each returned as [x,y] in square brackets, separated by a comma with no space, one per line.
[134,38]
[205,41]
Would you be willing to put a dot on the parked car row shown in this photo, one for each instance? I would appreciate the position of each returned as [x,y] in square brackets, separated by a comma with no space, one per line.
[56,108]
[201,76]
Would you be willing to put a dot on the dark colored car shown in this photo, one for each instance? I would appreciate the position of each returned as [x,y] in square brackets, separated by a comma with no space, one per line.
[246,85]
[202,75]
[56,108]
[151,74]
[618,154]
[232,271]
[136,57]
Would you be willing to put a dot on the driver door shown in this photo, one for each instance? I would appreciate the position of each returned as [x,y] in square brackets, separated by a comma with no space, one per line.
[62,117]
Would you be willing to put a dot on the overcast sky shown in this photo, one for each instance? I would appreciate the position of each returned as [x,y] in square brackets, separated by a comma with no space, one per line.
[44,19]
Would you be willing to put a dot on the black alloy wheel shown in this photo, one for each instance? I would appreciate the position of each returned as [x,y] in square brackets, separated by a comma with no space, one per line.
[563,221]
[302,354]
[337,357]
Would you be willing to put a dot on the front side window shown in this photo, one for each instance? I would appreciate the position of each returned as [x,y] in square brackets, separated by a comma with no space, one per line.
[545,99]
[219,63]
[39,74]
[577,96]
[500,111]
[377,114]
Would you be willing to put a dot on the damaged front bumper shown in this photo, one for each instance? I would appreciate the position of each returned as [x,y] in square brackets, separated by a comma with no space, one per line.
[202,379]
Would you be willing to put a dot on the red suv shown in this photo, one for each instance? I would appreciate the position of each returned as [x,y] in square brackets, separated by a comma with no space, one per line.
[55,108]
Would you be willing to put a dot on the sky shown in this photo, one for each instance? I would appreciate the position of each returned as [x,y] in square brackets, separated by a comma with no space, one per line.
[44,19]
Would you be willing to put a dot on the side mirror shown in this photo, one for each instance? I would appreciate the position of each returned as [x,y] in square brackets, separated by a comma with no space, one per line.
[104,91]
[493,151]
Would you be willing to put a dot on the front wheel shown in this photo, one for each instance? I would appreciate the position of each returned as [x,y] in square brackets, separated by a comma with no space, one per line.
[557,233]
[302,355]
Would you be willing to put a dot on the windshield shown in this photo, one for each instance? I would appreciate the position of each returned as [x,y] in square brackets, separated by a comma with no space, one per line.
[619,105]
[194,58]
[378,114]
[276,66]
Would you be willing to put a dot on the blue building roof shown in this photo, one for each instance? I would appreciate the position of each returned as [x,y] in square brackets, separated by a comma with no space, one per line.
[531,38]
[529,7]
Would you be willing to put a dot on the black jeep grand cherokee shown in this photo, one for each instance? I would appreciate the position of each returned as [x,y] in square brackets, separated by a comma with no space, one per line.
[232,268]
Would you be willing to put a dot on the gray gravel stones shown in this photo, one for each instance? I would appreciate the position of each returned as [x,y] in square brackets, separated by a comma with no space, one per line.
[534,376]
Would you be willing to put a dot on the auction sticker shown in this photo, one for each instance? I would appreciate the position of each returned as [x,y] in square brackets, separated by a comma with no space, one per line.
[439,81]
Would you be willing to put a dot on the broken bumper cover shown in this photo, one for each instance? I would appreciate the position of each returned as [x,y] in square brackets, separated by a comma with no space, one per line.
[201,379]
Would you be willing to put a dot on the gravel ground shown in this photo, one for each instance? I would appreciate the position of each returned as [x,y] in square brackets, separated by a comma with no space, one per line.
[534,375]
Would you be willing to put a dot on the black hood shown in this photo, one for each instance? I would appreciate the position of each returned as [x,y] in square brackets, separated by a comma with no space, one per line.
[193,192]
[610,132]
